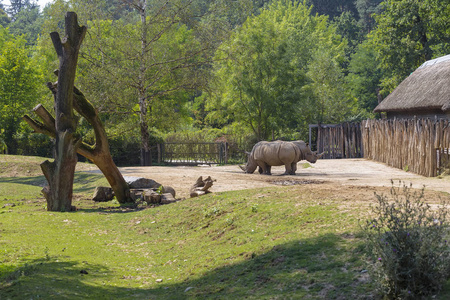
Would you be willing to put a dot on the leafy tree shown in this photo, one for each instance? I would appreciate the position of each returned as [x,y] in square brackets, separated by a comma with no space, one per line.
[149,58]
[263,75]
[4,19]
[408,33]
[348,27]
[332,103]
[28,22]
[141,66]
[366,10]
[365,77]
[332,8]
[18,85]
[18,5]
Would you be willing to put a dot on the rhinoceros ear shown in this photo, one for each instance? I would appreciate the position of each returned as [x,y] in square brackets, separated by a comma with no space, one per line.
[248,153]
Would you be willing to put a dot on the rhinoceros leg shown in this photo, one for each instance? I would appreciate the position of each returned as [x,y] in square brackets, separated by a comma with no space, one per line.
[293,168]
[288,169]
[263,168]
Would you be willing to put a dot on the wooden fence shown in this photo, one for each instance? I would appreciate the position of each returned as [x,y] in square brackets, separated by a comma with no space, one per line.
[417,145]
[339,141]
[193,153]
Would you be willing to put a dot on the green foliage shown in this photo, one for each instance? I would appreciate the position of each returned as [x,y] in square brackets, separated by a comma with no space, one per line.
[27,22]
[261,78]
[408,33]
[408,243]
[18,85]
[16,6]
[4,19]
[366,10]
[332,102]
[364,77]
[281,65]
[348,27]
[332,8]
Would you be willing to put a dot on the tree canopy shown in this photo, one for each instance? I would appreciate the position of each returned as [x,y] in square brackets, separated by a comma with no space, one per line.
[18,85]
[408,33]
[271,72]
[258,68]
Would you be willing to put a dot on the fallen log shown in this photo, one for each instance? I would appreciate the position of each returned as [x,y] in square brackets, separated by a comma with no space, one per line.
[201,187]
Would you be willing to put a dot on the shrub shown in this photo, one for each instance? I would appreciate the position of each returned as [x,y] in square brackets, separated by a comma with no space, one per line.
[407,244]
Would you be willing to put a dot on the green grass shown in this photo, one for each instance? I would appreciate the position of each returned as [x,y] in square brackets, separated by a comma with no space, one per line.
[273,243]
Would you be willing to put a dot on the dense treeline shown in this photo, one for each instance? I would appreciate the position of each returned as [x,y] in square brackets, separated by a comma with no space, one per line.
[245,69]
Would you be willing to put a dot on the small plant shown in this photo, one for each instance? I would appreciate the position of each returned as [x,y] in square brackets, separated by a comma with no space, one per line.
[47,256]
[407,243]
[215,211]
[230,221]
[160,190]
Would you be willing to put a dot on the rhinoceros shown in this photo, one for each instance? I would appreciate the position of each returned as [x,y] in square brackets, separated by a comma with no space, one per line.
[267,154]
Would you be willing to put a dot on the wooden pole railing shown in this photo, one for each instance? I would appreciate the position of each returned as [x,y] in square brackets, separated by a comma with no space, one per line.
[417,145]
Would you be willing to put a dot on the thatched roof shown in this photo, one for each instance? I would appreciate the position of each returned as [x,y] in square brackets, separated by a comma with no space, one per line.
[427,88]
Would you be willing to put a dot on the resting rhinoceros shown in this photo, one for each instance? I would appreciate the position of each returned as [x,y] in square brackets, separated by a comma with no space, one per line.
[267,154]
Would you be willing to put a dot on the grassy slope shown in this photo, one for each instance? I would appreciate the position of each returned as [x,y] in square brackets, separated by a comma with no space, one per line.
[275,243]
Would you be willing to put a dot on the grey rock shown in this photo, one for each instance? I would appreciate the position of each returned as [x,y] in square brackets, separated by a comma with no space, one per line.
[102,194]
[169,189]
[167,198]
[151,197]
[141,183]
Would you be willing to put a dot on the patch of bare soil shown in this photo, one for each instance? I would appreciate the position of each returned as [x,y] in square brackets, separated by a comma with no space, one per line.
[337,174]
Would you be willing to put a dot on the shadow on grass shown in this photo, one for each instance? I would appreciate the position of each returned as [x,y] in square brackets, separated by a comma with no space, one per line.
[112,210]
[51,279]
[315,267]
[33,180]
[83,182]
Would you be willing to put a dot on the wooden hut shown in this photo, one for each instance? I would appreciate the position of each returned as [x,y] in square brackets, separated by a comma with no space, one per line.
[423,94]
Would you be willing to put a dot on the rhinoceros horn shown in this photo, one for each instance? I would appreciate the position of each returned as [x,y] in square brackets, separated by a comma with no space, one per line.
[320,155]
[243,168]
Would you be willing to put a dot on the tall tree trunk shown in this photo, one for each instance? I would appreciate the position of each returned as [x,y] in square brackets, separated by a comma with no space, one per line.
[145,136]
[60,172]
[423,39]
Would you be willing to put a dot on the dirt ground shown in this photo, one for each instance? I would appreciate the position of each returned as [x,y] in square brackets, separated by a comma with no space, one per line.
[337,173]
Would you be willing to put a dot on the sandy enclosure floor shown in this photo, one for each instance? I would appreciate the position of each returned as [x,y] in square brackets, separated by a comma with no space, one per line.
[338,172]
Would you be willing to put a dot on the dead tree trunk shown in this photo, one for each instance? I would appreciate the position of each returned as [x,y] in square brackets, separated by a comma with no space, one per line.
[60,172]
[99,154]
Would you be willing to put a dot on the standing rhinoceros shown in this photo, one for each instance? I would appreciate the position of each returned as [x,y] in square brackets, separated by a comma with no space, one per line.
[267,154]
